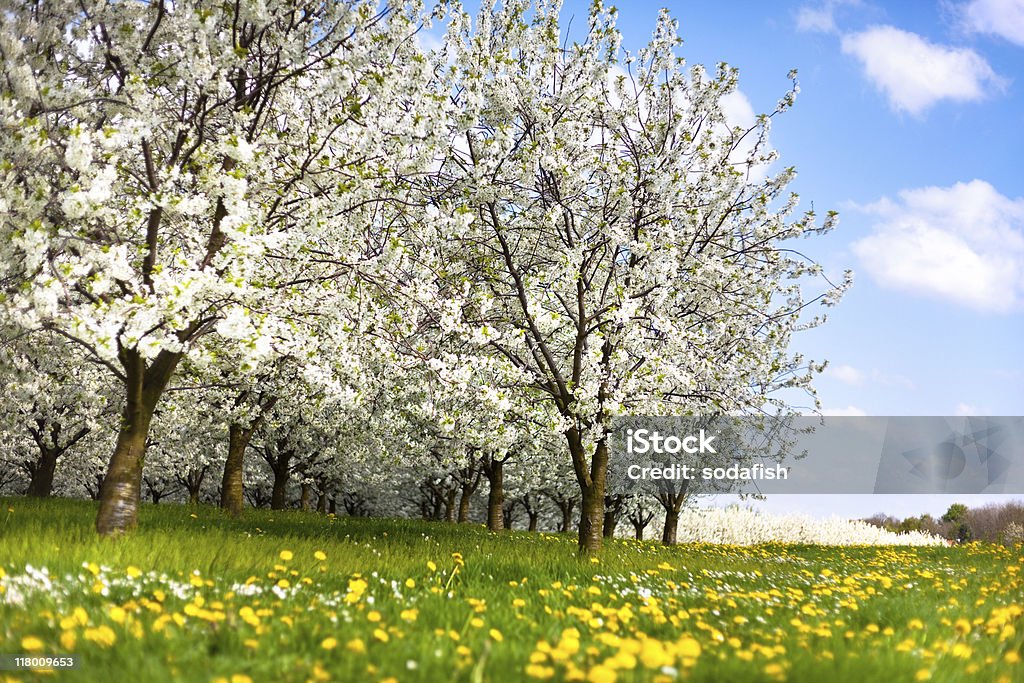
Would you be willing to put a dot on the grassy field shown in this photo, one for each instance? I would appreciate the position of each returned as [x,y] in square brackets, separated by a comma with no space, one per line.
[288,596]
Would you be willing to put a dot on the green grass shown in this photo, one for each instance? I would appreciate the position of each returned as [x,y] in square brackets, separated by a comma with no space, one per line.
[513,606]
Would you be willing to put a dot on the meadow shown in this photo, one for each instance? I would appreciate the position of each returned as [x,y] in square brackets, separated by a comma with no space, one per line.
[287,596]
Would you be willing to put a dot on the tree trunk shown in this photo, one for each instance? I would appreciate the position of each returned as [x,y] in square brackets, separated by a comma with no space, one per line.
[533,517]
[449,505]
[41,483]
[232,491]
[592,485]
[566,508]
[41,472]
[464,506]
[591,529]
[672,502]
[321,503]
[279,496]
[121,493]
[671,530]
[305,496]
[612,512]
[494,471]
[609,523]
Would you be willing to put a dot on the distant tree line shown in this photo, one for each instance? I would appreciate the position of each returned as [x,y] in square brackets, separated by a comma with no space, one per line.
[992,523]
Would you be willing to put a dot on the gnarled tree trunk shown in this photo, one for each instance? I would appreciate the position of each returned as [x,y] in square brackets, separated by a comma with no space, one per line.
[494,471]
[672,502]
[121,493]
[592,485]
[612,510]
[232,489]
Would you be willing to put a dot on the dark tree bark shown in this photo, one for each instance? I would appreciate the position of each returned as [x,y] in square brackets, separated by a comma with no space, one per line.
[508,515]
[672,502]
[280,460]
[193,482]
[532,513]
[493,469]
[565,505]
[470,483]
[50,451]
[449,504]
[232,491]
[640,519]
[95,487]
[121,492]
[612,510]
[592,483]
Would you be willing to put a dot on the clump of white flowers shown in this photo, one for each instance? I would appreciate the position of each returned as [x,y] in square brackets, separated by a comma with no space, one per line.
[741,526]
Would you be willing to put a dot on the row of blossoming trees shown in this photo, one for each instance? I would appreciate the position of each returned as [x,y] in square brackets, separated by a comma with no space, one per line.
[284,231]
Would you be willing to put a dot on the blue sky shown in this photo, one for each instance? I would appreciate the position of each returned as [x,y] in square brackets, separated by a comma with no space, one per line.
[910,123]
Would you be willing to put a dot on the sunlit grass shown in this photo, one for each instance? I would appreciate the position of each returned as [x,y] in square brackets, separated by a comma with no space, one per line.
[288,596]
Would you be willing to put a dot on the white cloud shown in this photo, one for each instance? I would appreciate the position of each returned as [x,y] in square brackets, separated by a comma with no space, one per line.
[885,380]
[1004,18]
[963,243]
[915,74]
[820,18]
[846,374]
[965,410]
[848,411]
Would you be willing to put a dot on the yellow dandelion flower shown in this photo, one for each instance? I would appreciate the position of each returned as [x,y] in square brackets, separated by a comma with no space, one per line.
[410,583]
[31,644]
[381,635]
[496,635]
[320,555]
[286,555]
[133,572]
[1011,657]
[601,674]
[103,636]
[373,616]
[538,671]
[476,622]
[356,645]
[329,643]
[240,678]
[923,675]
